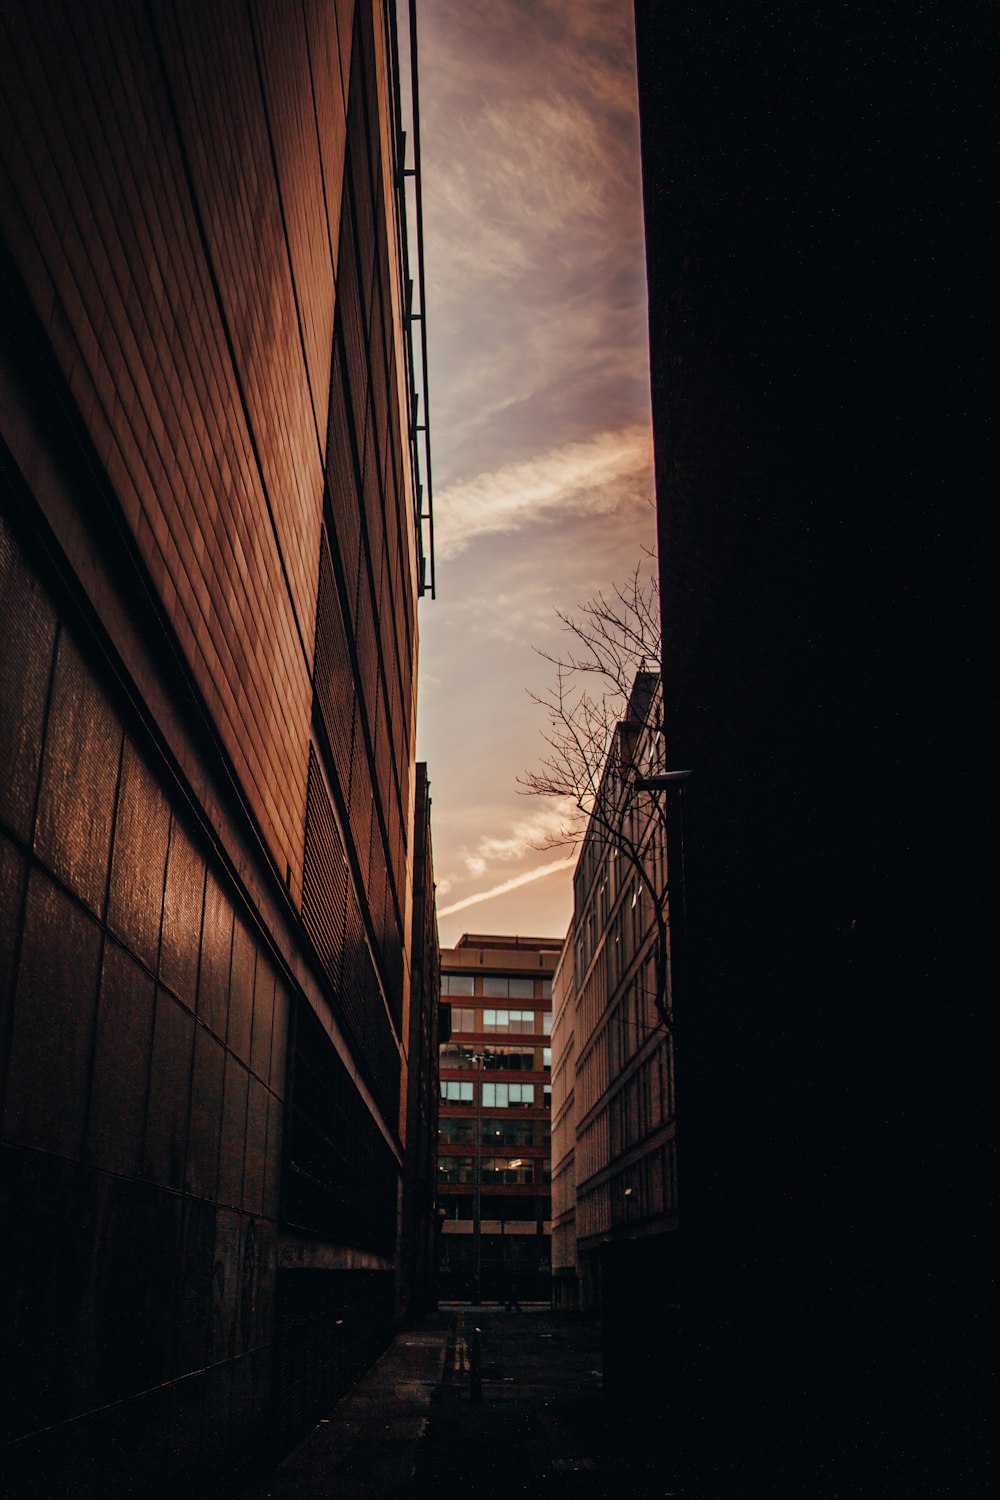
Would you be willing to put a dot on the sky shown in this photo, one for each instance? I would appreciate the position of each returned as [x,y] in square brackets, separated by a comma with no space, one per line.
[539,411]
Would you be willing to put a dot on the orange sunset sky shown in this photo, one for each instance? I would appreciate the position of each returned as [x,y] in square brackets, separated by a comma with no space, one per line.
[539,403]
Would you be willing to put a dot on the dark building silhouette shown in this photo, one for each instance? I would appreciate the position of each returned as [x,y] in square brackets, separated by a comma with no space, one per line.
[420,1217]
[816,281]
[495,1066]
[210,559]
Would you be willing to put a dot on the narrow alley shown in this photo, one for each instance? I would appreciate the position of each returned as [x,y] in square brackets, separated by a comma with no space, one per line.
[413,1426]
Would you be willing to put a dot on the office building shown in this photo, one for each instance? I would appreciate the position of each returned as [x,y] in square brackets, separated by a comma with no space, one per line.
[613,1057]
[494,1129]
[565,1276]
[418,1249]
[211,560]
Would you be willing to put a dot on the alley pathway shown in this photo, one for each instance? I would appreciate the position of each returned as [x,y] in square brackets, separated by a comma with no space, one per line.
[413,1428]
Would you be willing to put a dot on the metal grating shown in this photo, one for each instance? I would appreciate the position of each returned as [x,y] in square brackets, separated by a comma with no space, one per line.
[334,674]
[324,877]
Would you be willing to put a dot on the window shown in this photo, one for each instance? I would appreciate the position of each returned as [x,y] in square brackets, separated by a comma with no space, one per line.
[547,1023]
[546,989]
[508,1020]
[502,987]
[456,1132]
[463,1018]
[457,984]
[515,1133]
[456,1093]
[516,1059]
[505,1169]
[455,1169]
[453,1055]
[547,1059]
[508,1095]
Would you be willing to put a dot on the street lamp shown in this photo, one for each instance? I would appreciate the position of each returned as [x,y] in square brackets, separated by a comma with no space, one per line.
[661,782]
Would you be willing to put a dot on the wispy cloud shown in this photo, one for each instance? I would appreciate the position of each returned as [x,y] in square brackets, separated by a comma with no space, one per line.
[510,885]
[541,831]
[539,393]
[603,474]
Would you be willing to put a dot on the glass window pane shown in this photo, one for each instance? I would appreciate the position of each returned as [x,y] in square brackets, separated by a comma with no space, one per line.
[495,986]
[522,989]
[457,984]
[546,989]
[547,1023]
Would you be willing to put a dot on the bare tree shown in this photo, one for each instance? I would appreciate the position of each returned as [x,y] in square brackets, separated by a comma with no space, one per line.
[604,742]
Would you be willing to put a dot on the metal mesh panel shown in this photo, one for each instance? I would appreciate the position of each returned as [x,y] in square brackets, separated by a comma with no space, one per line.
[383,757]
[341,1176]
[334,675]
[367,650]
[341,463]
[373,504]
[365,1014]
[352,320]
[324,877]
[359,164]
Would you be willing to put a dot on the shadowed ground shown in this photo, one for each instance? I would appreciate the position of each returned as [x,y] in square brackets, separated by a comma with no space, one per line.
[411,1427]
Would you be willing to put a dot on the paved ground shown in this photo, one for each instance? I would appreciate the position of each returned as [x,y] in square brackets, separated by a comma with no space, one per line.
[413,1428]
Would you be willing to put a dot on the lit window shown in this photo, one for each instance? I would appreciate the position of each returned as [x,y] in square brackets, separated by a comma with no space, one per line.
[455,1092]
[507,1095]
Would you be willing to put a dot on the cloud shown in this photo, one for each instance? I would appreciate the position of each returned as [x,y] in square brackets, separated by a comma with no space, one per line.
[538,832]
[530,139]
[600,475]
[511,885]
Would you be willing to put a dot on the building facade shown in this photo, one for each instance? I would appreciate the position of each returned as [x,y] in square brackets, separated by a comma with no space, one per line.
[613,1059]
[565,1272]
[495,1067]
[418,1248]
[210,560]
